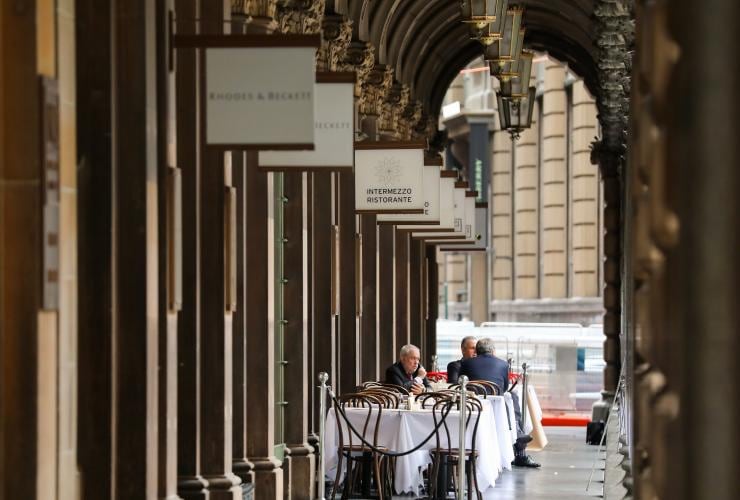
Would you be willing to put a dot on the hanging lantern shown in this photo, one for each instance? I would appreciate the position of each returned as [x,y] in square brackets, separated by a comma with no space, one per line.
[518,83]
[479,13]
[509,69]
[515,113]
[493,30]
[504,50]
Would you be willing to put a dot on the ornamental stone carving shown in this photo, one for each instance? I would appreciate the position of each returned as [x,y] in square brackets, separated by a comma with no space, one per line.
[375,88]
[336,35]
[254,8]
[300,16]
[359,58]
[392,111]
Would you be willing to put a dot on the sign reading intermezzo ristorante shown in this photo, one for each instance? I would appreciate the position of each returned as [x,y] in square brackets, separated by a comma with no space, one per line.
[334,129]
[430,216]
[260,97]
[389,177]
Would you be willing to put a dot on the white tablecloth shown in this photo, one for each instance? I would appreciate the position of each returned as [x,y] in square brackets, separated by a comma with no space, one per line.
[402,430]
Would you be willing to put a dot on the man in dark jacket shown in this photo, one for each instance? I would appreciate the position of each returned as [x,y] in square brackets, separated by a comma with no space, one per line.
[486,366]
[467,346]
[407,372]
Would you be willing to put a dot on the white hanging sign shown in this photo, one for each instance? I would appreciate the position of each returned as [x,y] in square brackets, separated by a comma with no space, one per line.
[431,183]
[446,207]
[480,240]
[334,112]
[458,218]
[259,96]
[389,177]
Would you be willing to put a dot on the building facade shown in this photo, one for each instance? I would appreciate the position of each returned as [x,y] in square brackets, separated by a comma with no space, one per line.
[545,203]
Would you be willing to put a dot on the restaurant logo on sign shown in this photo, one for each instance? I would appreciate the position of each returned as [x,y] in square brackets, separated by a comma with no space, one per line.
[388,177]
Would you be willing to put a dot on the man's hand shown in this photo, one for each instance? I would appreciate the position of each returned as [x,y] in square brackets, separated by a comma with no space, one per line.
[416,388]
[421,372]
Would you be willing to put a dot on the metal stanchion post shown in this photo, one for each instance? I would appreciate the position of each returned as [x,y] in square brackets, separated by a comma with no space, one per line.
[461,457]
[524,395]
[323,377]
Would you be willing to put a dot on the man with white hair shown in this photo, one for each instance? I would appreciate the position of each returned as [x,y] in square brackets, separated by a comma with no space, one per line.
[407,372]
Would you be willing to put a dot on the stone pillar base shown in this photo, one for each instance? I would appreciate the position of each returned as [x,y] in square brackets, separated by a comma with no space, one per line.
[226,487]
[268,479]
[302,473]
[192,488]
[243,469]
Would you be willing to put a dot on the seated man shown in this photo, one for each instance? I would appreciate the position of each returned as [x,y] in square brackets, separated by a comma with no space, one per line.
[467,346]
[486,366]
[408,372]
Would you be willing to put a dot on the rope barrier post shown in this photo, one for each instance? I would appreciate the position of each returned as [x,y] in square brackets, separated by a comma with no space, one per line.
[524,395]
[461,457]
[323,378]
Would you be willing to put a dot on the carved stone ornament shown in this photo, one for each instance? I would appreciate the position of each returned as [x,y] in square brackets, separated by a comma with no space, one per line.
[300,16]
[375,88]
[254,8]
[336,35]
[359,58]
[393,109]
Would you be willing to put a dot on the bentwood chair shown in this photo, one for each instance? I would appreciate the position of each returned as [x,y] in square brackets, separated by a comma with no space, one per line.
[361,459]
[492,388]
[446,459]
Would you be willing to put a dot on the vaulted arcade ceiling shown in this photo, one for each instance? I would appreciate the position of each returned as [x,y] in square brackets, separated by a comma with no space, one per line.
[426,43]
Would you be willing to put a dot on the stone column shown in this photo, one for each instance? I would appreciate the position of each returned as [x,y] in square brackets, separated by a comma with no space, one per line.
[553,180]
[135,240]
[348,348]
[431,303]
[401,288]
[28,338]
[387,348]
[190,484]
[218,200]
[369,316]
[502,218]
[478,286]
[526,227]
[94,223]
[296,350]
[323,347]
[414,294]
[584,200]
[268,476]
[241,466]
[170,273]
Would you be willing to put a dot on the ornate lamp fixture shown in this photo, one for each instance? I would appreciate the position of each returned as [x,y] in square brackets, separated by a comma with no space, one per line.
[493,30]
[515,113]
[509,69]
[517,80]
[504,50]
[480,13]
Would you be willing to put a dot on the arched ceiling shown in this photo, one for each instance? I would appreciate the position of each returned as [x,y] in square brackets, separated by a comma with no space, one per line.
[427,44]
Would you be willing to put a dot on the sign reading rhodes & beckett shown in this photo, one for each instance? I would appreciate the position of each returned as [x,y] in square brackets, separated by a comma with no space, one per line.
[260,97]
[389,177]
[334,124]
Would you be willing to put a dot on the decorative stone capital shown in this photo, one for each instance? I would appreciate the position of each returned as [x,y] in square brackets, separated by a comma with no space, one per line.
[260,14]
[393,110]
[359,58]
[300,16]
[375,87]
[336,35]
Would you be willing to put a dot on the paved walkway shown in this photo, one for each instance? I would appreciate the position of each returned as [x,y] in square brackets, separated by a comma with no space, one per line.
[566,465]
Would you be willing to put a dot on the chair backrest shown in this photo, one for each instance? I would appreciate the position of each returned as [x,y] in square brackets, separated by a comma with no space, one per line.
[490,387]
[429,399]
[388,398]
[374,407]
[393,387]
[442,407]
